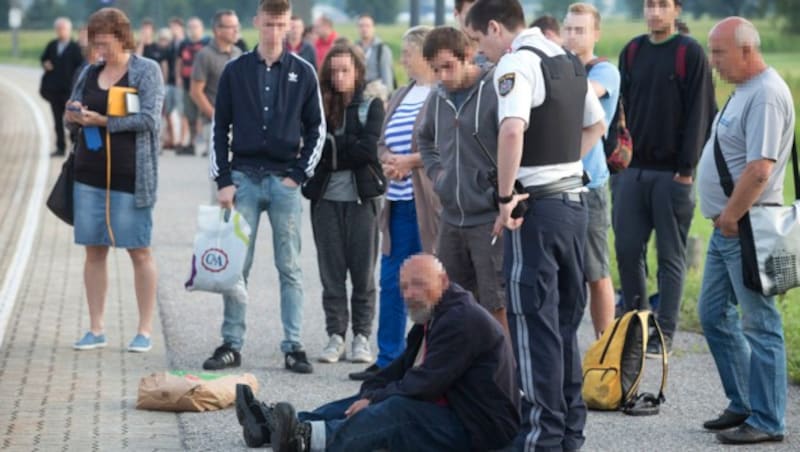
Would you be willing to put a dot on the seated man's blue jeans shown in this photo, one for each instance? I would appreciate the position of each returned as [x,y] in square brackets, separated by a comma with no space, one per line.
[397,424]
[749,351]
[283,208]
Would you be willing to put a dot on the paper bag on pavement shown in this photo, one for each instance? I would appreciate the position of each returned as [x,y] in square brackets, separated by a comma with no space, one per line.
[184,391]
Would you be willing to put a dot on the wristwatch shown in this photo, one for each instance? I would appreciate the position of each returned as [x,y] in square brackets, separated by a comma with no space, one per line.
[505,199]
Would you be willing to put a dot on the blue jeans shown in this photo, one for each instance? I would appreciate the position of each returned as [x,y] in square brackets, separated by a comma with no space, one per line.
[397,424]
[283,208]
[749,350]
[404,232]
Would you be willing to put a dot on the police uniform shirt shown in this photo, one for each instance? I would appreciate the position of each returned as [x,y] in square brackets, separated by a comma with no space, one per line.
[520,87]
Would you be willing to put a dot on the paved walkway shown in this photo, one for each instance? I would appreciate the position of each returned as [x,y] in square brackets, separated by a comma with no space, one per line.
[52,398]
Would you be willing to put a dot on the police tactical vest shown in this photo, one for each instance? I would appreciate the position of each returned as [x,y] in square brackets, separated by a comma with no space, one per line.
[555,127]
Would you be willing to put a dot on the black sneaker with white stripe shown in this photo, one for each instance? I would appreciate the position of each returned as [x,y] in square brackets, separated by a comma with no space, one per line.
[224,356]
[297,362]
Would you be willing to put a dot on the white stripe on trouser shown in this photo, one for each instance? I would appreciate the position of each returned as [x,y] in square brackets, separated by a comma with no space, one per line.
[523,341]
[318,438]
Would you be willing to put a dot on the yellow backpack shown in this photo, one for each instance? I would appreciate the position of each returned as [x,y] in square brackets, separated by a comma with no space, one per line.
[614,365]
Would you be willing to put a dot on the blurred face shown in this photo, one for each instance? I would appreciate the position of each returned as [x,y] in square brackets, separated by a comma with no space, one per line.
[660,15]
[322,29]
[343,73]
[107,47]
[227,32]
[366,28]
[579,33]
[421,291]
[272,28]
[195,28]
[413,62]
[491,44]
[296,28]
[449,70]
[63,30]
[177,30]
[163,41]
[146,33]
[728,58]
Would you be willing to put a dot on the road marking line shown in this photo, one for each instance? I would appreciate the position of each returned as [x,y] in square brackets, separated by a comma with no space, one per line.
[19,262]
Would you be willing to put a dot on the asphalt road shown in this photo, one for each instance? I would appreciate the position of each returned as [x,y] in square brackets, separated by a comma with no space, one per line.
[191,325]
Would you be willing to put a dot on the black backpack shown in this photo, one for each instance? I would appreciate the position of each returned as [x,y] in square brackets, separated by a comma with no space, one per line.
[618,144]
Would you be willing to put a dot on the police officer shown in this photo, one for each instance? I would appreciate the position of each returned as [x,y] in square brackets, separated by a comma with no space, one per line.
[549,117]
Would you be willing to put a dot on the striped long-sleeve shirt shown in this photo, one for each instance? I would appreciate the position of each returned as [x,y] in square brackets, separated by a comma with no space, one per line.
[399,130]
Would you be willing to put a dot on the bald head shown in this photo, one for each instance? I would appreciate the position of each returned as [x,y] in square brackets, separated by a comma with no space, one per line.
[63,28]
[422,282]
[738,30]
[734,44]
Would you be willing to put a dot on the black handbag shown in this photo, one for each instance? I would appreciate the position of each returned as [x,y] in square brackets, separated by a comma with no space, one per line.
[60,200]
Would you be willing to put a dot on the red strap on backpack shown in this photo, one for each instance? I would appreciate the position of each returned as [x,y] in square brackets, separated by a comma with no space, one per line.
[680,56]
[680,61]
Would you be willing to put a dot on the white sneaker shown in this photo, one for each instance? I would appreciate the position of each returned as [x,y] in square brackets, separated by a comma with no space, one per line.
[334,351]
[361,352]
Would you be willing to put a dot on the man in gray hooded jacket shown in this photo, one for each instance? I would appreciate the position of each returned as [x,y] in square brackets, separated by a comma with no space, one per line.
[459,150]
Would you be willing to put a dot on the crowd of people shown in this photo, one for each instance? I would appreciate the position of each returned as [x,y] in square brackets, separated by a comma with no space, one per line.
[482,184]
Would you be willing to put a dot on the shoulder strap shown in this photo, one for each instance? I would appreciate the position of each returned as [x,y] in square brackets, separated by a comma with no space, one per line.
[580,70]
[725,178]
[380,53]
[795,170]
[538,52]
[363,110]
[680,59]
[630,52]
[664,364]
[594,62]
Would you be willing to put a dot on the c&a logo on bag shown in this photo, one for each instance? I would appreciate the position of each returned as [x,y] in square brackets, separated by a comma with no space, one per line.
[214,260]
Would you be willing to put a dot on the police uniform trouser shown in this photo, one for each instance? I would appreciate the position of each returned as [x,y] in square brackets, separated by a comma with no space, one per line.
[546,297]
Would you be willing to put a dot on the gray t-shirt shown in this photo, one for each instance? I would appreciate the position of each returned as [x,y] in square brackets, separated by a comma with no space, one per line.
[341,187]
[758,123]
[208,65]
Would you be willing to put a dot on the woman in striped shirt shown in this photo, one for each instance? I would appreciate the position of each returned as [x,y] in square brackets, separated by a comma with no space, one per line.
[410,215]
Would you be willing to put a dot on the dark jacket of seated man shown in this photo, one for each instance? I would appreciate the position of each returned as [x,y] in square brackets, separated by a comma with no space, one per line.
[467,363]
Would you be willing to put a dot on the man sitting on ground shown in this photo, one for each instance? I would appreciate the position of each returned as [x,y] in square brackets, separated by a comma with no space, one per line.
[454,388]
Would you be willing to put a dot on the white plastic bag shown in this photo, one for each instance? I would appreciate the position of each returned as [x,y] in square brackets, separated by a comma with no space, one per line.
[220,249]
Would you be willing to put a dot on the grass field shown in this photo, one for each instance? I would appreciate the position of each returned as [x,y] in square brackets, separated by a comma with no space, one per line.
[781,51]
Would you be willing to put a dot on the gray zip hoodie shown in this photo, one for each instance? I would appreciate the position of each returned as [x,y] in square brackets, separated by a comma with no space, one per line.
[452,157]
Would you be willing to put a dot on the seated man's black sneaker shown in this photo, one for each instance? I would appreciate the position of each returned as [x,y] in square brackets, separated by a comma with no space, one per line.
[728,419]
[290,435]
[654,347]
[746,434]
[253,416]
[365,374]
[244,398]
[298,362]
[224,356]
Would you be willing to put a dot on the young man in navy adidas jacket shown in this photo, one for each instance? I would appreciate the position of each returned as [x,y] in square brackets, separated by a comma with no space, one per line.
[669,103]
[268,116]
